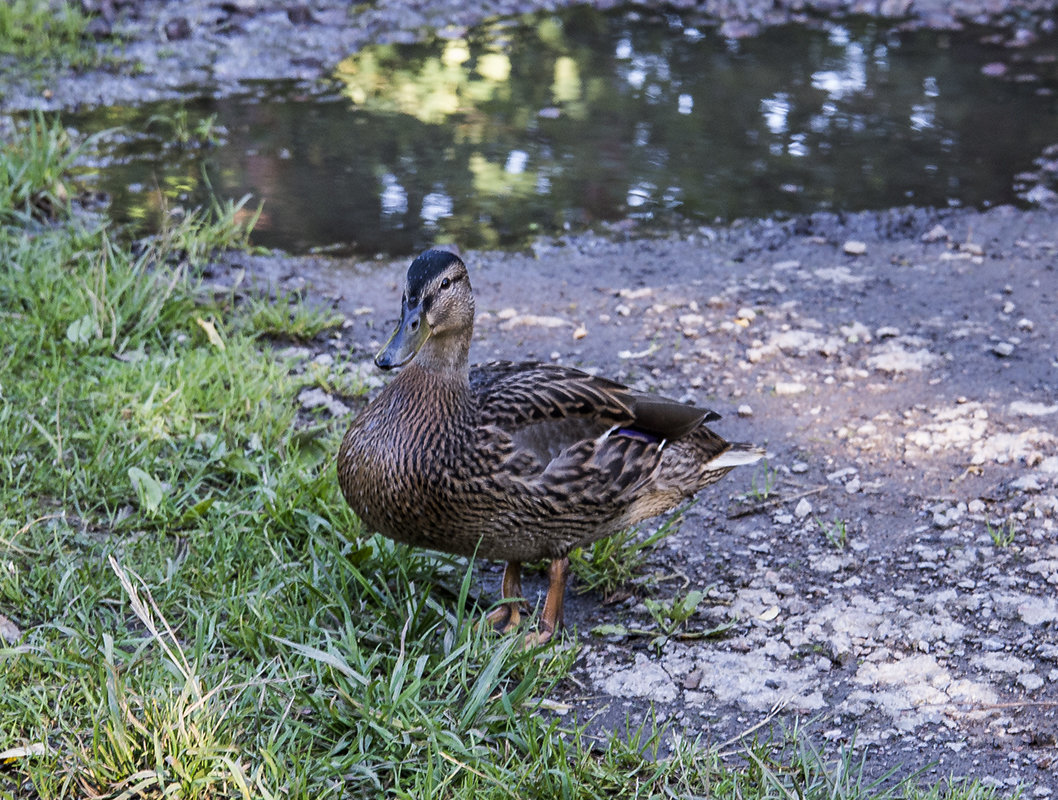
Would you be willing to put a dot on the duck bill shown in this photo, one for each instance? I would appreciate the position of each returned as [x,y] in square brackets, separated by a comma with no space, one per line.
[409,337]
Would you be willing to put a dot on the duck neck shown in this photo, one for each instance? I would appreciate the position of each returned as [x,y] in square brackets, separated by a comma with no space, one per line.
[446,356]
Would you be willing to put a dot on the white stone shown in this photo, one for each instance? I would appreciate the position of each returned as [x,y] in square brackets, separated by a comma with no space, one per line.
[317,398]
[998,662]
[1038,610]
[643,679]
[1025,408]
[894,357]
[787,388]
[1030,680]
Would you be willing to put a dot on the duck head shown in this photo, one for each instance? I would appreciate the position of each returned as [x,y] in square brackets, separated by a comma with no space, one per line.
[436,314]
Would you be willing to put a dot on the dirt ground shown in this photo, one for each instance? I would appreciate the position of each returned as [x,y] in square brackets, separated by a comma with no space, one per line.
[893,574]
[902,370]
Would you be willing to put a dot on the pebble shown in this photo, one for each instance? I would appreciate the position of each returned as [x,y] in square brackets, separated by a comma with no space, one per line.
[1025,408]
[803,508]
[1030,680]
[837,475]
[177,29]
[580,332]
[855,248]
[745,410]
[9,631]
[1026,483]
[893,357]
[1026,324]
[937,233]
[1038,610]
[317,398]
[788,388]
[799,467]
[1003,349]
[747,314]
[855,332]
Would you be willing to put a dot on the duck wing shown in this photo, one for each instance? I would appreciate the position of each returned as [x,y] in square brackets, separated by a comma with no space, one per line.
[546,409]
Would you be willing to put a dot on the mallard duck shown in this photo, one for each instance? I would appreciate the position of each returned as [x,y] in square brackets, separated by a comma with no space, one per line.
[513,461]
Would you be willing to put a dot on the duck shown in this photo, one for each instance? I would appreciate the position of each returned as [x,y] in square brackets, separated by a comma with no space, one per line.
[508,461]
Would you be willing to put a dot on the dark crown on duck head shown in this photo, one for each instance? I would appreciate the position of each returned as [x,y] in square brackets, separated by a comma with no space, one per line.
[425,268]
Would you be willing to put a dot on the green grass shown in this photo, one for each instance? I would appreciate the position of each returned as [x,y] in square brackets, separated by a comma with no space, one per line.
[38,30]
[614,563]
[198,613]
[33,166]
[289,317]
[835,532]
[1002,534]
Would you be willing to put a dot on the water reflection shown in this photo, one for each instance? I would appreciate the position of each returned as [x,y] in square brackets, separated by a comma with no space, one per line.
[567,120]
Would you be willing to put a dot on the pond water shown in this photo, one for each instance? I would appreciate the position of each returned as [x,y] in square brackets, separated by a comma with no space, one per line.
[564,121]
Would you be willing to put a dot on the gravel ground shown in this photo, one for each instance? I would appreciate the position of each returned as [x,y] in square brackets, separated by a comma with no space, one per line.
[902,370]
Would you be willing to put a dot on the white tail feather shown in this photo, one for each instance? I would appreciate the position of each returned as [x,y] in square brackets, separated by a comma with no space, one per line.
[738,455]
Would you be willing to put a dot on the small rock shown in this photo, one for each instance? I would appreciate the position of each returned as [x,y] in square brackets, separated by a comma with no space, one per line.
[855,332]
[317,398]
[9,631]
[580,332]
[1038,610]
[938,233]
[300,15]
[1026,483]
[803,508]
[693,679]
[747,314]
[841,474]
[787,388]
[643,679]
[532,320]
[1030,680]
[177,29]
[745,410]
[1026,324]
[1025,408]
[1003,349]
[887,332]
[855,248]
[894,357]
[799,468]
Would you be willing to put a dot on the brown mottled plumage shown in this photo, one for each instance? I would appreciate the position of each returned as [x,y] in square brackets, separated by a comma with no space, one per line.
[512,461]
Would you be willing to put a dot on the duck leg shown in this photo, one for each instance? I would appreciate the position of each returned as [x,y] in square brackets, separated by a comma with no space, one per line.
[509,613]
[551,619]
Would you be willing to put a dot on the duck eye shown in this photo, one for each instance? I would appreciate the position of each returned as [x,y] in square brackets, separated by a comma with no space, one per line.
[445,283]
